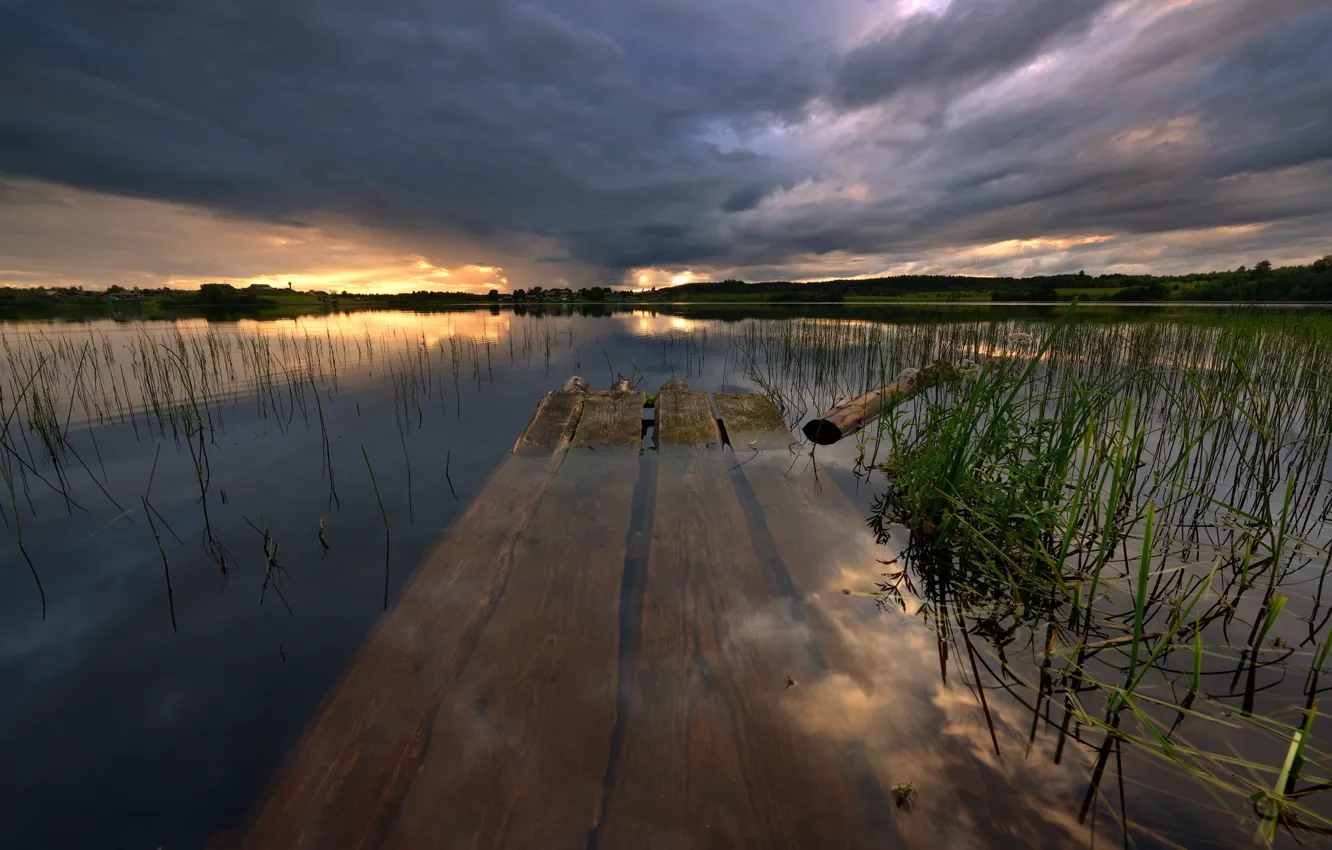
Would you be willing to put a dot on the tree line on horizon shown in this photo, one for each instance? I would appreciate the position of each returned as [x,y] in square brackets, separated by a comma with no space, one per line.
[1262,282]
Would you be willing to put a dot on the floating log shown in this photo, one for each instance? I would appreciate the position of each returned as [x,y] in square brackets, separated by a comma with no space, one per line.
[858,412]
[556,417]
[685,419]
[752,423]
[850,417]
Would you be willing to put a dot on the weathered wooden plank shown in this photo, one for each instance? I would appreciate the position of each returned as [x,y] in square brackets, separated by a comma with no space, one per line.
[684,419]
[752,422]
[553,423]
[710,756]
[611,419]
[520,742]
[343,782]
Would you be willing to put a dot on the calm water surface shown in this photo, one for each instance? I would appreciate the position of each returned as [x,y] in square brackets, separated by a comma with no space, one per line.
[119,731]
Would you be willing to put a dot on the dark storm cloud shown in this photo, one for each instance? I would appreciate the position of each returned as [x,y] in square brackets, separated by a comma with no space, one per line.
[969,40]
[1271,102]
[1149,139]
[743,199]
[1207,152]
[681,132]
[485,117]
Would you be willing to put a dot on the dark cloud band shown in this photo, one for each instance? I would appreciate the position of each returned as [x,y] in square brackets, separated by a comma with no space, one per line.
[682,132]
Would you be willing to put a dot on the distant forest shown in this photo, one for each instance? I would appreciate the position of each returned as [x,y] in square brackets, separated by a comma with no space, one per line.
[1263,282]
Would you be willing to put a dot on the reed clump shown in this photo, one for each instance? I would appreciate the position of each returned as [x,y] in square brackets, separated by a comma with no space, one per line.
[1140,544]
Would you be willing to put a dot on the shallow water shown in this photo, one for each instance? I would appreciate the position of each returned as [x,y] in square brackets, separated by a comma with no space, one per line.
[118,731]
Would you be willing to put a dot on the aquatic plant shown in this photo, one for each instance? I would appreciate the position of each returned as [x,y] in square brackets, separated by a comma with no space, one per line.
[1111,520]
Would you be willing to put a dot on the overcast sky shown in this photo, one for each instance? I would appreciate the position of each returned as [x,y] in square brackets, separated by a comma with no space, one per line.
[477,143]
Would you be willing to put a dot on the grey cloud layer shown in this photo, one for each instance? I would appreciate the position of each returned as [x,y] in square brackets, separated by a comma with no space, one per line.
[681,132]
[969,41]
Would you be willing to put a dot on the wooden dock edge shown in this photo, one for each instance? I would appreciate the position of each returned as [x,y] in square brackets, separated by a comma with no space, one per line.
[611,419]
[685,420]
[555,420]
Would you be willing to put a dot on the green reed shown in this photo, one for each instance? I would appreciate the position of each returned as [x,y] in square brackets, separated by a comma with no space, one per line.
[1108,511]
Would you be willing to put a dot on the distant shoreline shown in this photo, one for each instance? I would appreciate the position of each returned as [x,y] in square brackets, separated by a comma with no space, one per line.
[699,308]
[887,302]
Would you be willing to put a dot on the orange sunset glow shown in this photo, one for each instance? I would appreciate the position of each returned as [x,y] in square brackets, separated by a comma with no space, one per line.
[133,242]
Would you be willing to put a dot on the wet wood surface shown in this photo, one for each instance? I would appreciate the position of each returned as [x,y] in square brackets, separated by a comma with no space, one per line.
[611,419]
[710,756]
[518,745]
[752,423]
[823,545]
[553,424]
[685,421]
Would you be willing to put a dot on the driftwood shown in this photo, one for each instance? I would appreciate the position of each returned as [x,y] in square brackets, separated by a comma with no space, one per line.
[850,417]
[855,414]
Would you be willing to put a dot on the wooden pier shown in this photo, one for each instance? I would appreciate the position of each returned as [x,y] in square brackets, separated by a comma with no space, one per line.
[582,661]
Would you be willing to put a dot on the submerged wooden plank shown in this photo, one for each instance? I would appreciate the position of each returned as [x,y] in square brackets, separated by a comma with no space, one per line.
[343,783]
[824,546]
[709,755]
[519,744]
[553,424]
[684,418]
[611,419]
[752,422]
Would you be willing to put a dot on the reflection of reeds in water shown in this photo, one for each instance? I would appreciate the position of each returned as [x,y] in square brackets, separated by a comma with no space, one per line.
[388,534]
[1098,513]
[274,573]
[179,382]
[176,383]
[149,512]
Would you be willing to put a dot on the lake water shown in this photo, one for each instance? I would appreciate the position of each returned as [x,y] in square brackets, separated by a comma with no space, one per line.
[261,460]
